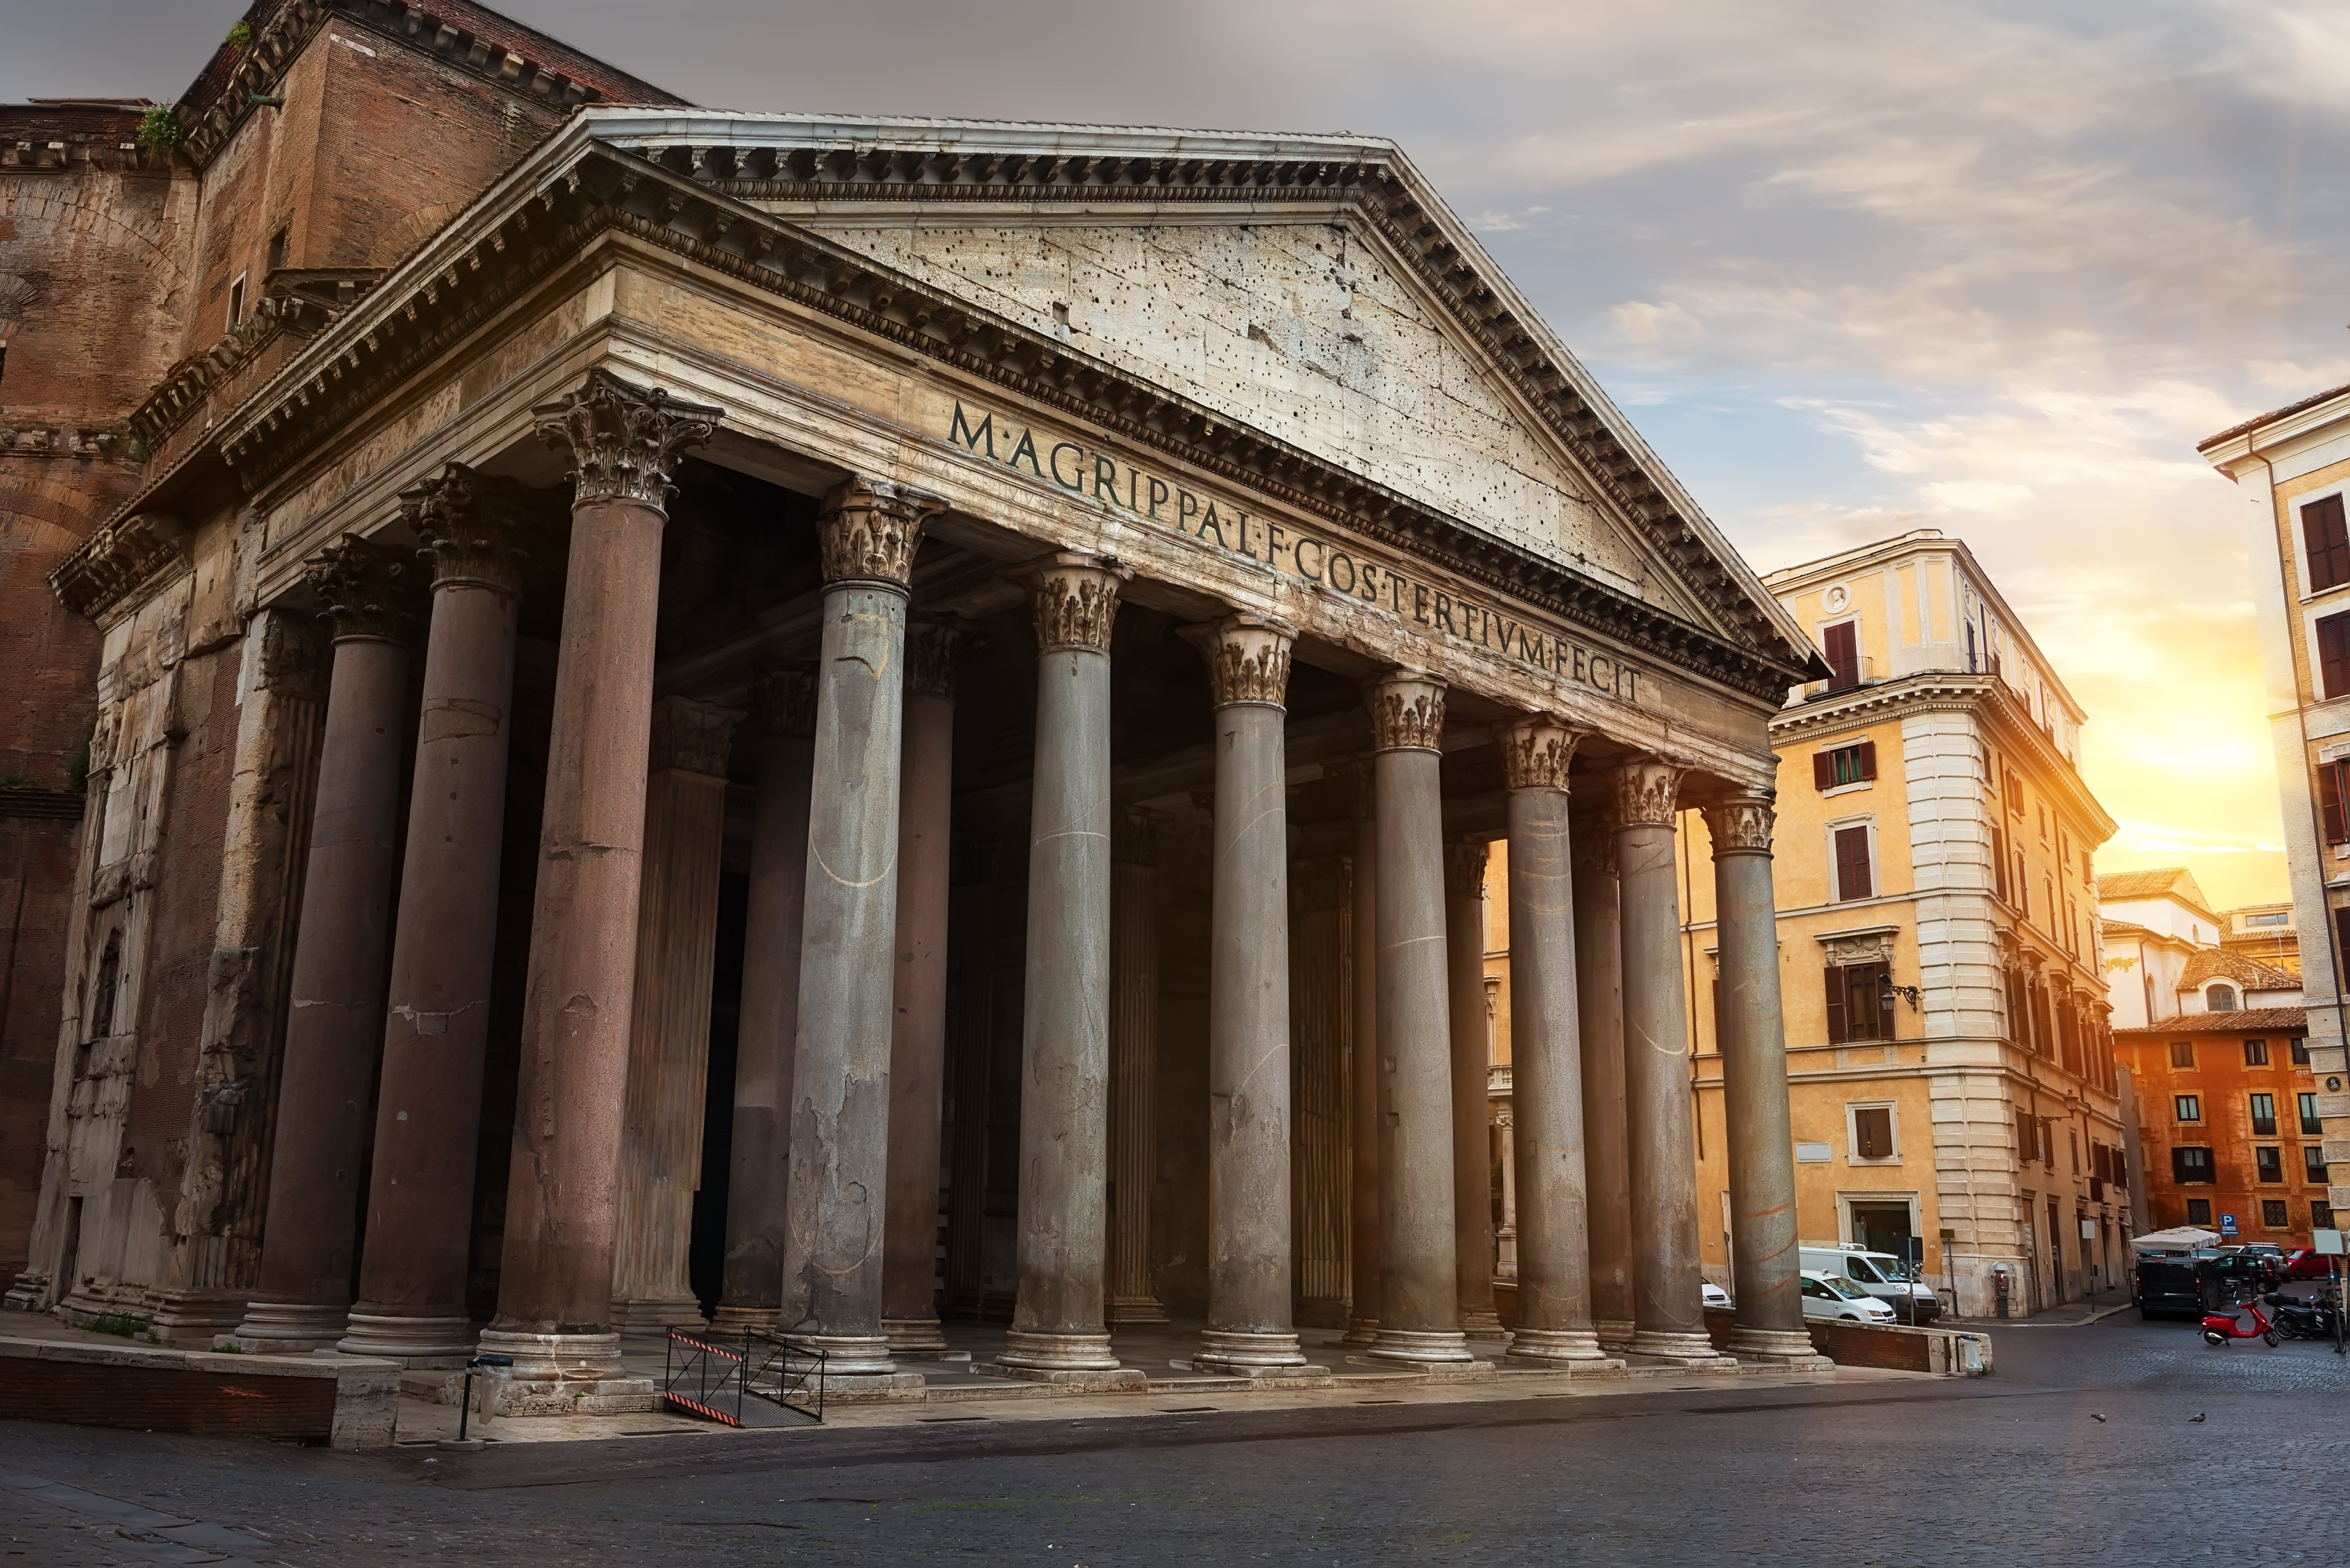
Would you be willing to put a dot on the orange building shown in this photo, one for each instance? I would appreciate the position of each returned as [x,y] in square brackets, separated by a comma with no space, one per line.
[2228,1120]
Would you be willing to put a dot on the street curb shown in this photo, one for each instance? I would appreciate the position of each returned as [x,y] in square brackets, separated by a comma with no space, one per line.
[1972,1323]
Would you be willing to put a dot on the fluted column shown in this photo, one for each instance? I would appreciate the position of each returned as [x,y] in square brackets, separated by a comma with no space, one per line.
[917,1038]
[335,1026]
[1599,1015]
[1058,1332]
[1249,1330]
[668,1038]
[835,1197]
[554,1283]
[1472,1178]
[1667,1308]
[415,1267]
[1545,1128]
[1420,1272]
[783,709]
[1363,1089]
[1133,1063]
[1765,1261]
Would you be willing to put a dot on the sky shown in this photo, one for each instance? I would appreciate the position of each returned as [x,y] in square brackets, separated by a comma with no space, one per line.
[1852,268]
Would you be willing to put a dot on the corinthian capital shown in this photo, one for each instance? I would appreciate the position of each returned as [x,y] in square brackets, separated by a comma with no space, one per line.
[1741,824]
[784,701]
[1406,708]
[371,592]
[1464,867]
[472,527]
[1591,845]
[1647,792]
[1134,834]
[693,736]
[932,646]
[1535,753]
[624,439]
[1248,658]
[1077,601]
[869,530]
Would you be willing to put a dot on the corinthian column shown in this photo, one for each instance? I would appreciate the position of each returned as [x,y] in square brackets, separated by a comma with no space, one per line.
[918,1041]
[1546,1133]
[335,1026]
[1133,1062]
[1473,1179]
[1668,1309]
[784,712]
[555,1287]
[1419,1276]
[669,1037]
[1363,1089]
[1599,1015]
[1249,1331]
[1764,1263]
[414,1269]
[836,1200]
[1057,1333]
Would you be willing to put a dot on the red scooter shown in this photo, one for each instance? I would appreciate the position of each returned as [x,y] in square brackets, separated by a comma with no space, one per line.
[2219,1328]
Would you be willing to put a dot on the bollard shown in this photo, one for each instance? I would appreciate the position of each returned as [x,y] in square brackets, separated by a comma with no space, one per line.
[495,1369]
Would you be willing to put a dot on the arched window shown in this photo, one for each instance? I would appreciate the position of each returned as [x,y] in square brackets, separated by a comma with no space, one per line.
[2220,998]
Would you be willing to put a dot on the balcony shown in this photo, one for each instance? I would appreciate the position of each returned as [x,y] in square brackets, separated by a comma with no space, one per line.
[1866,671]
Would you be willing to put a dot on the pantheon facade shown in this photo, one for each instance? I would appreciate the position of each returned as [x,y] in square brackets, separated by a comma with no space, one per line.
[834,722]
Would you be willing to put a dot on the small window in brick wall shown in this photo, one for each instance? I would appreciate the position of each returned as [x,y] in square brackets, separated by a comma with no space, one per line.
[1852,764]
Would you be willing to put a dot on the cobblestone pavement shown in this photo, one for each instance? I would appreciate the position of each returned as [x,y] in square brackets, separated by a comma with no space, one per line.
[2016,1469]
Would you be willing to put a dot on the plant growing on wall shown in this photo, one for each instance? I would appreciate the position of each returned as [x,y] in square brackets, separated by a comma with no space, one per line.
[239,36]
[161,127]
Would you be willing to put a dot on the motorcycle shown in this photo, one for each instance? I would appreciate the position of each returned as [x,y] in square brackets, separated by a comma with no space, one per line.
[2219,1328]
[2304,1320]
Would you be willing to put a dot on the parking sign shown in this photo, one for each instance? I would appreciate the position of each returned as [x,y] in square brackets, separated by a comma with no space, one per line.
[2227,1224]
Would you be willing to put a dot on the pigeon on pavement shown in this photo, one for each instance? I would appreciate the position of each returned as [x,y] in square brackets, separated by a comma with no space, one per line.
[2197,1416]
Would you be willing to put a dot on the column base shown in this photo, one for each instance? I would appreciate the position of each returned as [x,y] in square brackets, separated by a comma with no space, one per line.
[557,1357]
[195,1317]
[27,1292]
[418,1344]
[1044,1356]
[1672,1347]
[917,1338]
[1483,1323]
[1777,1347]
[1559,1347]
[1418,1348]
[1245,1354]
[1361,1330]
[288,1328]
[1133,1309]
[1615,1334]
[655,1315]
[850,1354]
[745,1319]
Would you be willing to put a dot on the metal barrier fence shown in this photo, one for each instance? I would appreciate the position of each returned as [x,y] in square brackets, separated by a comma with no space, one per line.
[713,1380]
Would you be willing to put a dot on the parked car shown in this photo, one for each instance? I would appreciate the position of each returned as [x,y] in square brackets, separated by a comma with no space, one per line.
[2240,1274]
[2167,1287]
[1715,1296]
[1833,1295]
[1882,1275]
[2307,1264]
[2269,1250]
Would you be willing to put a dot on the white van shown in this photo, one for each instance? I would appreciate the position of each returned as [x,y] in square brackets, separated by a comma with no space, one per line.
[1832,1296]
[1882,1275]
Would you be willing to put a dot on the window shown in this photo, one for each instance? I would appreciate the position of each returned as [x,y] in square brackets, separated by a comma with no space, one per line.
[1852,869]
[2023,1137]
[2269,1163]
[2188,1106]
[2310,1127]
[1872,1132]
[2276,918]
[2264,1115]
[2191,1164]
[2272,1213]
[2088,869]
[2321,1215]
[2199,1212]
[2022,888]
[2074,1137]
[2256,1053]
[1971,647]
[1842,645]
[1999,864]
[2313,1165]
[2015,792]
[1855,764]
[2182,1053]
[2330,795]
[277,250]
[2333,655]
[2329,547]
[2220,998]
[2300,1053]
[1860,1004]
[235,303]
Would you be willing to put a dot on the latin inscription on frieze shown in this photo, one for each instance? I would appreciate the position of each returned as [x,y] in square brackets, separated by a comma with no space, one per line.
[1440,611]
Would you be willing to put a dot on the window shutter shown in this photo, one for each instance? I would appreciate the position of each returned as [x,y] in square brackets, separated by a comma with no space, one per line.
[2329,791]
[1852,863]
[1868,759]
[1999,864]
[2329,545]
[1880,977]
[1838,1032]
[1823,771]
[2334,656]
[1843,656]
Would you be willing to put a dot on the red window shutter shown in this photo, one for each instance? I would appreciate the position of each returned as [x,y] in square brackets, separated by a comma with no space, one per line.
[1838,1030]
[2334,656]
[2329,545]
[1999,864]
[1852,863]
[2329,791]
[1823,769]
[1868,759]
[1843,650]
[1880,996]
